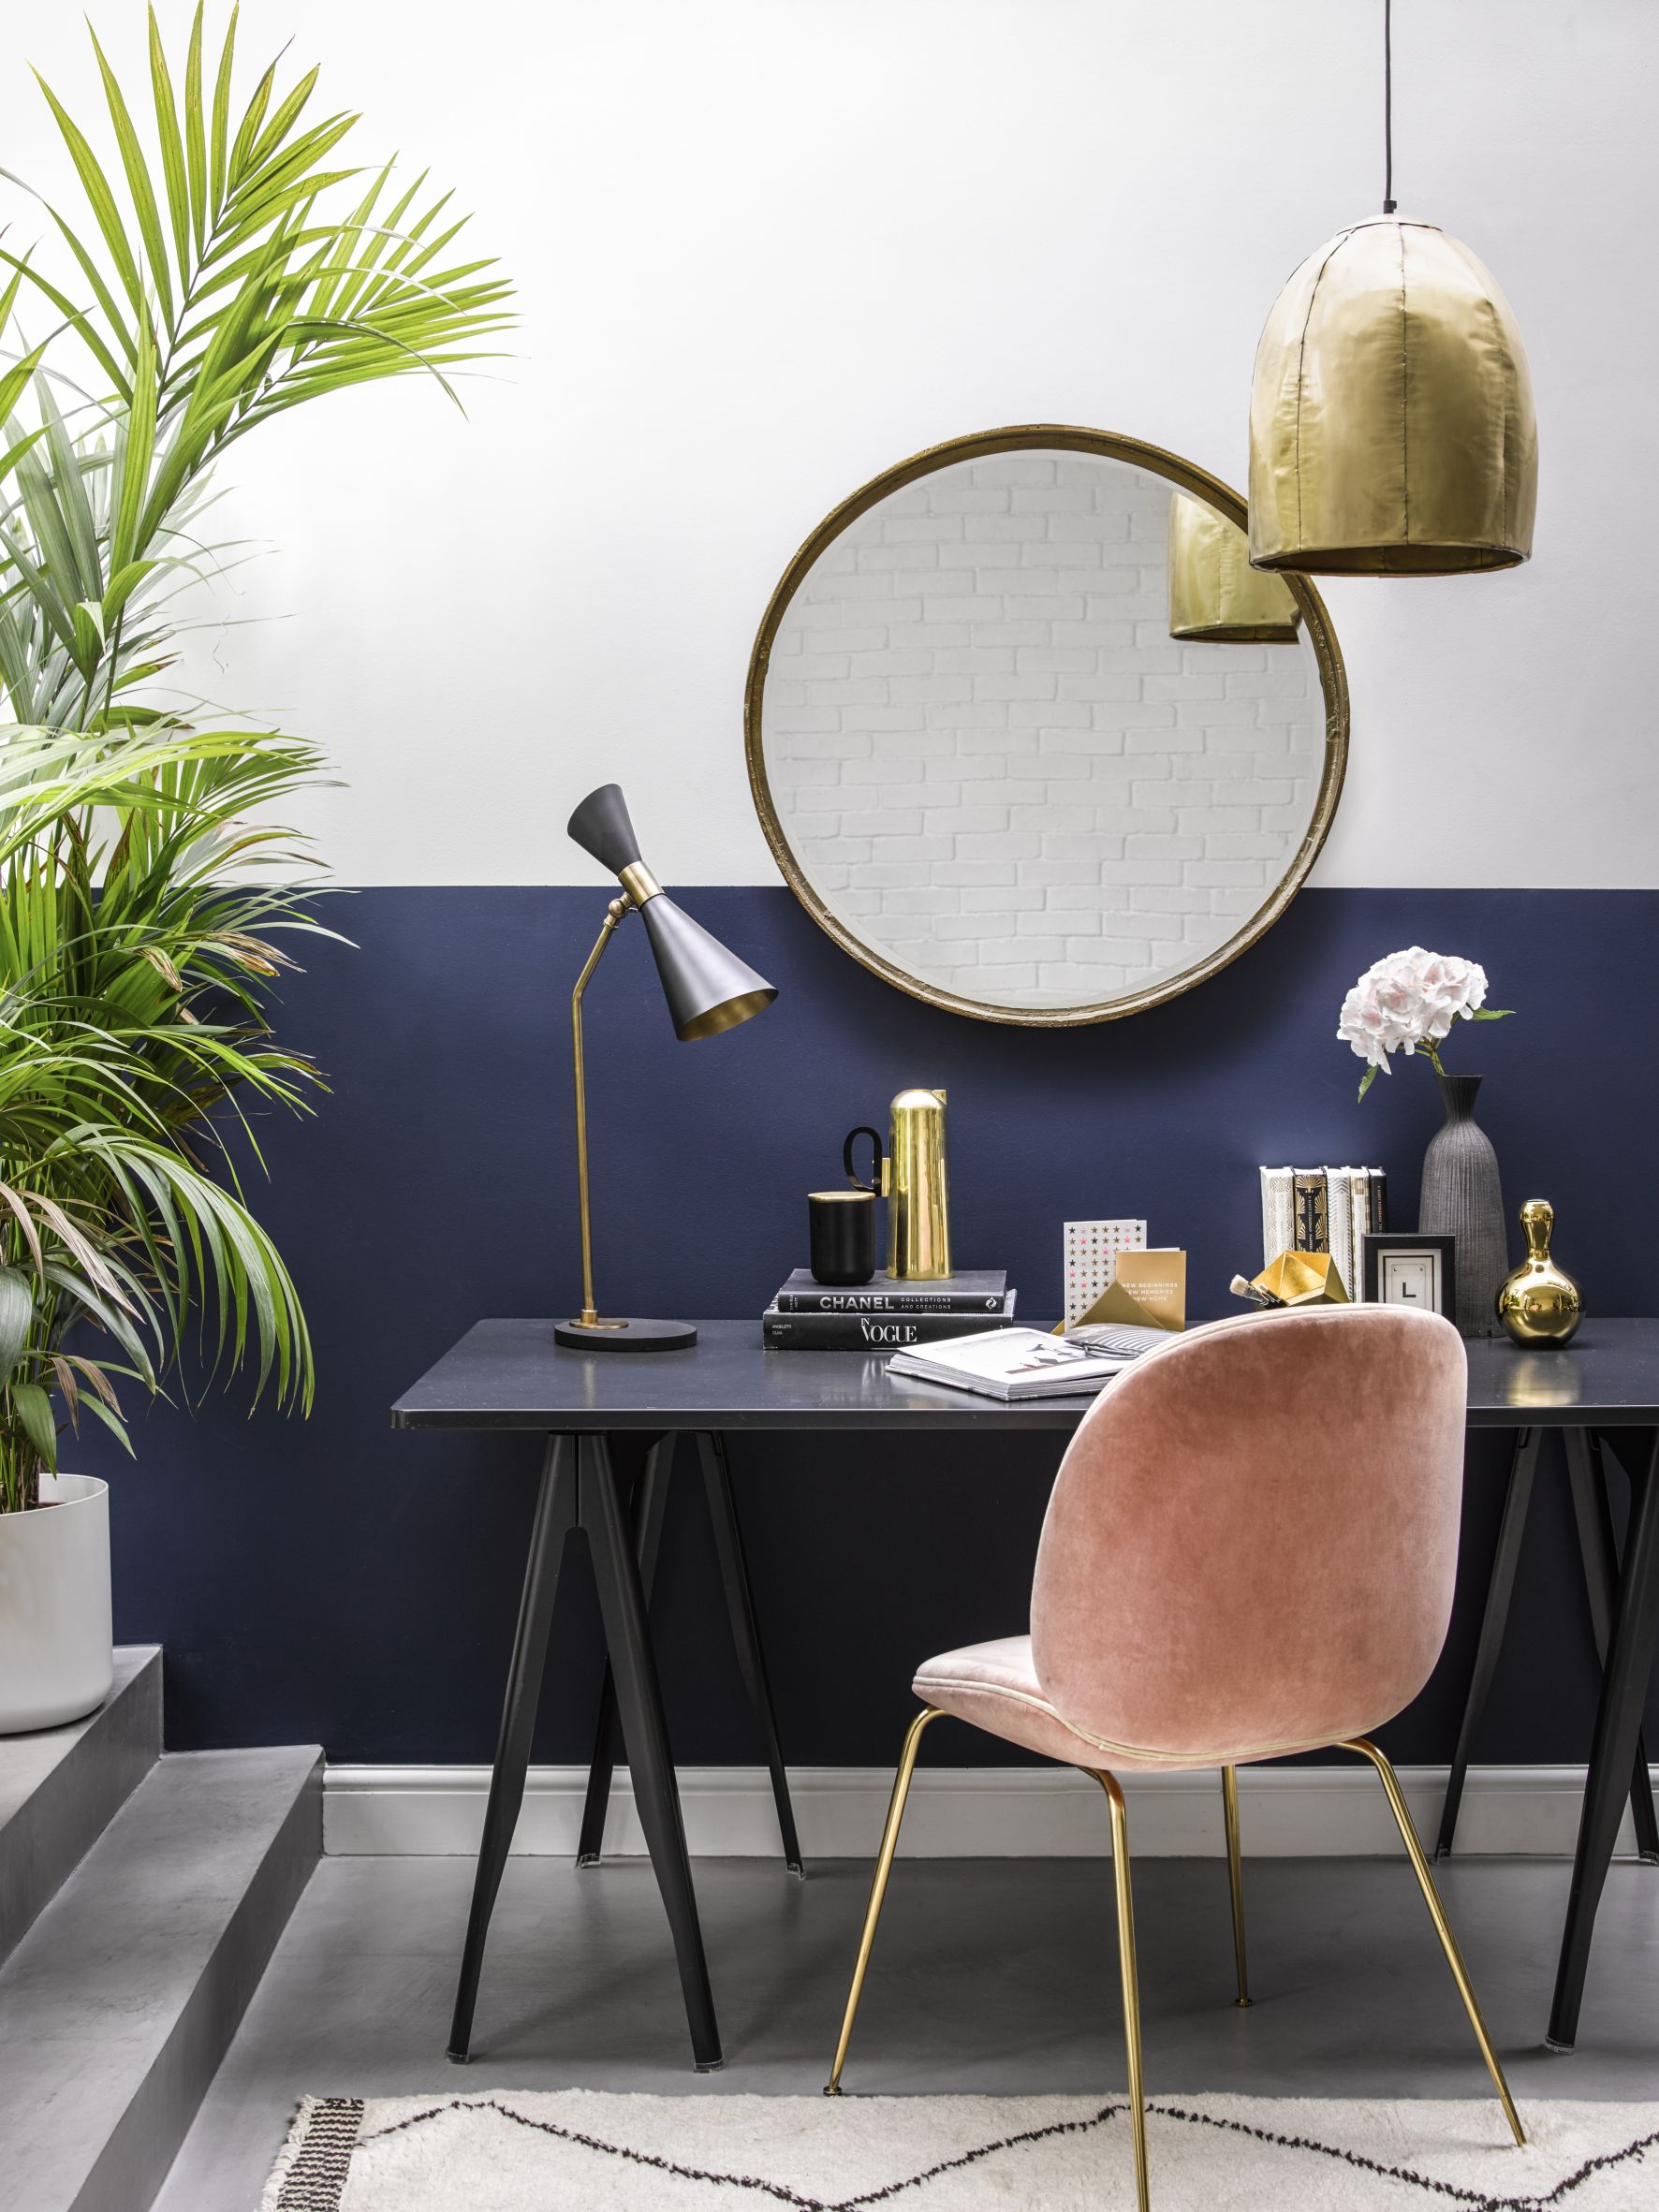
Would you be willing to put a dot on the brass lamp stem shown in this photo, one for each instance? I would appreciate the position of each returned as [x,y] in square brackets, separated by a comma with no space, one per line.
[616,911]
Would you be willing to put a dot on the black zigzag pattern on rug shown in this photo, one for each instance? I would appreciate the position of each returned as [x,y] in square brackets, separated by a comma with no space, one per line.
[777,2190]
[333,2163]
[1475,2199]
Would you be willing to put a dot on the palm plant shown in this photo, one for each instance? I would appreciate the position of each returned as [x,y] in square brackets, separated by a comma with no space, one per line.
[130,961]
[233,271]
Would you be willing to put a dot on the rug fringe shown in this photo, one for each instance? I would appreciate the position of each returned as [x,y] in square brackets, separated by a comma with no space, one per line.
[315,2163]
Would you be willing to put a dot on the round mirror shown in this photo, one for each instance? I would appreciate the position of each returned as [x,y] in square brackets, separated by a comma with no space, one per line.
[1029,738]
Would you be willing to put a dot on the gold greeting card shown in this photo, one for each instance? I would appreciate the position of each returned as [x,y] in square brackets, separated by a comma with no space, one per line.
[1148,1290]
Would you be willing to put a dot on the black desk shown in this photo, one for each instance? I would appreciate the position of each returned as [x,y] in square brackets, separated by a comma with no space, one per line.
[509,1375]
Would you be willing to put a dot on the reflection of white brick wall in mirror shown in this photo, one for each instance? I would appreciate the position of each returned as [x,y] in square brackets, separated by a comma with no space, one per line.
[996,767]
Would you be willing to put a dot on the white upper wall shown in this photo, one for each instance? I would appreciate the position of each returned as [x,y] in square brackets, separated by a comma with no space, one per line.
[767,247]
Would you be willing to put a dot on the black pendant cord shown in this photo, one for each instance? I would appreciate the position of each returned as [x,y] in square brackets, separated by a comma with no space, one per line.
[1387,107]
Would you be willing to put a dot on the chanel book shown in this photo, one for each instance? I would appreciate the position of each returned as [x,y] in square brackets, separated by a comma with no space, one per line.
[872,1332]
[969,1292]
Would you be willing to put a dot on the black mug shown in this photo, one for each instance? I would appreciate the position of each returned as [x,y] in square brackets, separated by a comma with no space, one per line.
[842,1228]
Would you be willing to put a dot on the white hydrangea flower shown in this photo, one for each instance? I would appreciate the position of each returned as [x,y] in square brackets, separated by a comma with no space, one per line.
[1408,999]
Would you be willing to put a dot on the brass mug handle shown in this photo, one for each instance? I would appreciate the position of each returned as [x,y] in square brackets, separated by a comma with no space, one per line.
[853,1176]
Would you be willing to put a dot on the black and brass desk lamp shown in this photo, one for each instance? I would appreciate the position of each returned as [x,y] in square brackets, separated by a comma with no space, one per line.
[707,989]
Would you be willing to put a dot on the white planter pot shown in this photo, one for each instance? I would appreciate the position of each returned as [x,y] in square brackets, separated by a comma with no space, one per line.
[55,1659]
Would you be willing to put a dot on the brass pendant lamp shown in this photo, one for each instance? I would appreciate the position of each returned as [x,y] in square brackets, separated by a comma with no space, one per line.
[1391,423]
[1215,596]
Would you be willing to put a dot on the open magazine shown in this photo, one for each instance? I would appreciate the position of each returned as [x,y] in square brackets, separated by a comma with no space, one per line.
[1016,1363]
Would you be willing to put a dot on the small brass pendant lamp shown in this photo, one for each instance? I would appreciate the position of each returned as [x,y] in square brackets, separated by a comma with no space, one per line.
[1391,423]
[708,988]
[1215,596]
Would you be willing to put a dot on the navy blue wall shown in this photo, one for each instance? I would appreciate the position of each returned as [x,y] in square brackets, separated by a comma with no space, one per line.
[333,1581]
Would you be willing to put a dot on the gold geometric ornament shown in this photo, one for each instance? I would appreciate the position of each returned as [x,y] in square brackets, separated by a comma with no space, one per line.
[1215,596]
[1303,1278]
[1391,422]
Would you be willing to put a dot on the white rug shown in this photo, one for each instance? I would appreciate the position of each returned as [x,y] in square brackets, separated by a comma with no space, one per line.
[578,2150]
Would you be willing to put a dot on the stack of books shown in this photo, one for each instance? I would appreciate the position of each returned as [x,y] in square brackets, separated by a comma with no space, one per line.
[1328,1210]
[884,1315]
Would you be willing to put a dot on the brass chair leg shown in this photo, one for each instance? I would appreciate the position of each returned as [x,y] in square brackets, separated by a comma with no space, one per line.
[1449,1942]
[1229,1798]
[884,1866]
[1120,1867]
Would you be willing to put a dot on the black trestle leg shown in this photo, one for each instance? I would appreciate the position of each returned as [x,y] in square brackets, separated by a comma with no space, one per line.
[556,1517]
[621,1605]
[745,1633]
[1618,1721]
[1499,1588]
[650,1505]
[1593,1509]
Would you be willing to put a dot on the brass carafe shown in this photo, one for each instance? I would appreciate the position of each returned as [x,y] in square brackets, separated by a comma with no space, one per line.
[913,1179]
[910,1176]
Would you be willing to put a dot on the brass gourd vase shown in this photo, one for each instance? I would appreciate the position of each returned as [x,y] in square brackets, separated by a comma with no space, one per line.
[1539,1304]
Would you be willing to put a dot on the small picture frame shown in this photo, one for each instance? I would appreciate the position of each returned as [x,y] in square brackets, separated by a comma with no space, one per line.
[1411,1270]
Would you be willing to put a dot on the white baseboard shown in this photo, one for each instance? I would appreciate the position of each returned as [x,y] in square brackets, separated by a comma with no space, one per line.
[978,1813]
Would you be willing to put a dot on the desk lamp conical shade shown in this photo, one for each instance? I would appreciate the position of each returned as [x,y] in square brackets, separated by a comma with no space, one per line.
[707,989]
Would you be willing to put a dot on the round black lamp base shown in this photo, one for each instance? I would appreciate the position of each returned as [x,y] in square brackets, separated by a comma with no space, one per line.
[626,1336]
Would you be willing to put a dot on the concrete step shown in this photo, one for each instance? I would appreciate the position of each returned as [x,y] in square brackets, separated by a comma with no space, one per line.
[117,2006]
[61,1787]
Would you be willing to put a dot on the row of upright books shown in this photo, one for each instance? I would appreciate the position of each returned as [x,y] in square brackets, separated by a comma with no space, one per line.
[883,1315]
[1328,1210]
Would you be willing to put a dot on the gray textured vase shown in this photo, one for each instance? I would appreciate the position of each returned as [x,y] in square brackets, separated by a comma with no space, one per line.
[1461,1197]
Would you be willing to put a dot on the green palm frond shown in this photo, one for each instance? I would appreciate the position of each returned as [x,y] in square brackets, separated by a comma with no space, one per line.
[247,258]
[222,270]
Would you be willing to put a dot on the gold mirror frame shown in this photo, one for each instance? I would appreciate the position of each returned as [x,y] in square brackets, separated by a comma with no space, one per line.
[1105,445]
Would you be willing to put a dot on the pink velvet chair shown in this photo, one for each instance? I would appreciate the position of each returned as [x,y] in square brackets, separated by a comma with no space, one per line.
[1249,1551]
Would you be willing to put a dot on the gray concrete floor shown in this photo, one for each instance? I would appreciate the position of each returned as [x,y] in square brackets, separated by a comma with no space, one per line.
[991,1976]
